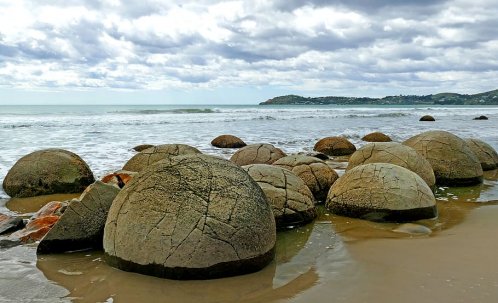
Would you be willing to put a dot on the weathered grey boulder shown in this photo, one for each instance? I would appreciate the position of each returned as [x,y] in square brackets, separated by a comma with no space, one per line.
[382,192]
[427,118]
[292,201]
[81,226]
[228,141]
[334,146]
[47,171]
[315,173]
[10,224]
[376,137]
[485,153]
[452,160]
[257,154]
[190,217]
[394,153]
[160,152]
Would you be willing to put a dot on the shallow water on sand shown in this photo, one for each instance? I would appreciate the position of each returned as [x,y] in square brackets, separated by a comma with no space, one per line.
[333,259]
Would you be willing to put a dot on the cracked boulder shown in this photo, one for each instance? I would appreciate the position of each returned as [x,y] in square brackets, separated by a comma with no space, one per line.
[228,141]
[291,200]
[48,171]
[160,152]
[142,147]
[452,160]
[382,192]
[315,173]
[81,226]
[334,146]
[257,154]
[376,137]
[394,153]
[190,217]
[485,153]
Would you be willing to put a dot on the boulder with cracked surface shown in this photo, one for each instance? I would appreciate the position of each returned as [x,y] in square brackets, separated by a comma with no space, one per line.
[156,153]
[190,217]
[47,171]
[81,226]
[452,160]
[485,153]
[382,192]
[394,153]
[315,173]
[257,154]
[291,200]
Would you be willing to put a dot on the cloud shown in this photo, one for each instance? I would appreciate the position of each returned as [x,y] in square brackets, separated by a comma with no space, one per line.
[337,47]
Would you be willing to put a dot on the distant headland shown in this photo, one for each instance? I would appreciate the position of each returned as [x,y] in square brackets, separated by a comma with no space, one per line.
[487,98]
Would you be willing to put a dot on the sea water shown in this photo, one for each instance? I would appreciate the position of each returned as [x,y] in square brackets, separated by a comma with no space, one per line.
[104,135]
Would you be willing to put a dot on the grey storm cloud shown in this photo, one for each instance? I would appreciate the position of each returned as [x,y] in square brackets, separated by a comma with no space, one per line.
[308,45]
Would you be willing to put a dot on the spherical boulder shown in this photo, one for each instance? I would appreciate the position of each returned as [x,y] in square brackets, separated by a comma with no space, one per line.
[156,153]
[47,171]
[190,217]
[452,160]
[315,173]
[257,154]
[334,146]
[382,192]
[376,137]
[291,200]
[394,153]
[485,153]
[427,118]
[228,141]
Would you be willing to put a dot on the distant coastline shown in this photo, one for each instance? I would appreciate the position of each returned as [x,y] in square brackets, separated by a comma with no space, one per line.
[486,98]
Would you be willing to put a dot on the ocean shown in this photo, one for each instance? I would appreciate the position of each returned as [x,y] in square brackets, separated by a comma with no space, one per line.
[103,135]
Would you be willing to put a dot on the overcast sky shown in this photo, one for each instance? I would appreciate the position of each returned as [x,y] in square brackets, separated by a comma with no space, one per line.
[147,51]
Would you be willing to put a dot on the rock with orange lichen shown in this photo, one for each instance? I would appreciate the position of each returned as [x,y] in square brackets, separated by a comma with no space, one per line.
[10,223]
[119,178]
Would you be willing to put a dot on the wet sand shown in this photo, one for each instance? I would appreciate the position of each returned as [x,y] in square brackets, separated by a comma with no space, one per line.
[334,259]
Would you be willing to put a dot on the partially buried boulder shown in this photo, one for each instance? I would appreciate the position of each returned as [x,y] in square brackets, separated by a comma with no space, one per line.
[190,217]
[315,173]
[394,153]
[376,137]
[452,160]
[485,153]
[228,141]
[47,171]
[257,154]
[291,200]
[481,118]
[81,226]
[427,118]
[382,192]
[335,146]
[160,152]
[142,147]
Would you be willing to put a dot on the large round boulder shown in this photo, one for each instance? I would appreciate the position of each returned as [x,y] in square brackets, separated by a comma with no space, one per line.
[376,137]
[47,171]
[452,160]
[156,153]
[190,217]
[291,200]
[335,146]
[257,154]
[394,153]
[427,118]
[382,192]
[485,153]
[315,173]
[228,141]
